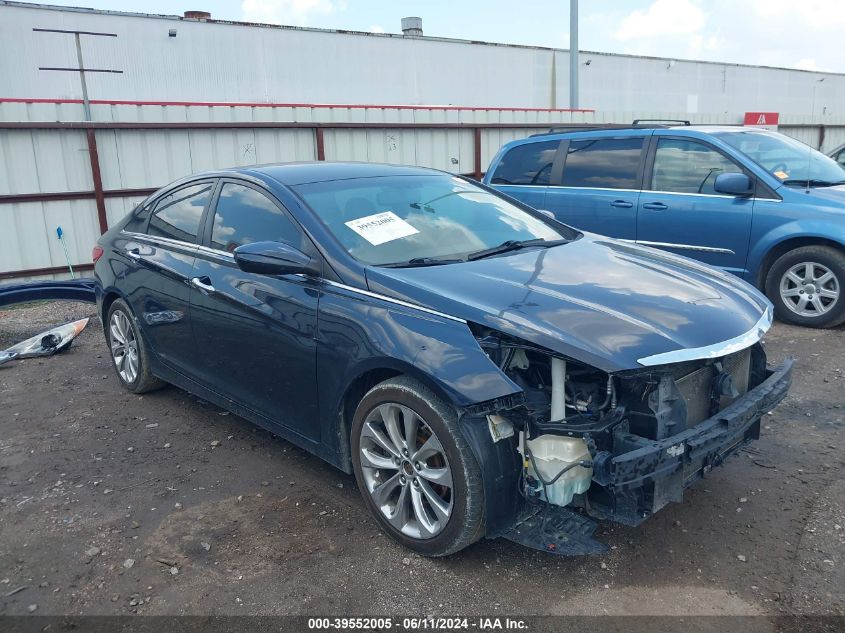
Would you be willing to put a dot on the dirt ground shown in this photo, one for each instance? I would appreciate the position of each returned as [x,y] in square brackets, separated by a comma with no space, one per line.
[111,503]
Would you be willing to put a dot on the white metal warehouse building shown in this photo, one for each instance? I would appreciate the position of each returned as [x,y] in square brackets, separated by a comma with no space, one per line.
[196,94]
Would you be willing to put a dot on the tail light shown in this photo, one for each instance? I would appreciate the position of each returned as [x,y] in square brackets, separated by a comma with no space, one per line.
[96,253]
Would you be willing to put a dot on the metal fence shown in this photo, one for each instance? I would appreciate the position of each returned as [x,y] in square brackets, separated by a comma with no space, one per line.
[84,176]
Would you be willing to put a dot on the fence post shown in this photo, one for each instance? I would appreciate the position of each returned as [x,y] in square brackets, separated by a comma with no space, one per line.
[321,143]
[476,135]
[96,176]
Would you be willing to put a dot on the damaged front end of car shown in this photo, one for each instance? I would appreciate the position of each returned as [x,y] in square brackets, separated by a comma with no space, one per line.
[618,446]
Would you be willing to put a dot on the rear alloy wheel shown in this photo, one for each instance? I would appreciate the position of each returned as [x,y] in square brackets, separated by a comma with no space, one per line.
[418,476]
[129,351]
[806,286]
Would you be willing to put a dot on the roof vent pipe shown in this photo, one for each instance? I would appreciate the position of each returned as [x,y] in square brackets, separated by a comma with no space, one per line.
[412,26]
[197,15]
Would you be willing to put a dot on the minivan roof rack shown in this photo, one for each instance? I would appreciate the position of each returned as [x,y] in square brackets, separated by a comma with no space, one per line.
[675,121]
[588,127]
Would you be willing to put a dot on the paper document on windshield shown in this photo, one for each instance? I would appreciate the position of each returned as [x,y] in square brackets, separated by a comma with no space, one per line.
[381,227]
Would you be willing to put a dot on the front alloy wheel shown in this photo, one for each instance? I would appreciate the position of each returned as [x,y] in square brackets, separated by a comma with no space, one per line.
[805,286]
[406,471]
[809,289]
[417,473]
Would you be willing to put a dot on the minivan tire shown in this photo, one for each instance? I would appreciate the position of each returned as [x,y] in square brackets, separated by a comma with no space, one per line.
[465,524]
[144,380]
[831,259]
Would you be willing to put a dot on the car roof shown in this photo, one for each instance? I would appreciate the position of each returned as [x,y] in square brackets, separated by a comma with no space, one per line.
[323,171]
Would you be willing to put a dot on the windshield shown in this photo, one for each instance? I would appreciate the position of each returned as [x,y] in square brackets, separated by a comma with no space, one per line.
[421,219]
[788,160]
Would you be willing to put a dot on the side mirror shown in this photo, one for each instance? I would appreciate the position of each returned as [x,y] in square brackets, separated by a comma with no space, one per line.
[273,258]
[734,184]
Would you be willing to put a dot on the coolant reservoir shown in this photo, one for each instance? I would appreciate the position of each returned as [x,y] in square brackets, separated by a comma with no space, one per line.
[552,453]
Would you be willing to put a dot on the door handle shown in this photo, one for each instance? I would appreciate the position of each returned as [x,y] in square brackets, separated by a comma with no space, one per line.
[655,206]
[622,204]
[134,253]
[203,283]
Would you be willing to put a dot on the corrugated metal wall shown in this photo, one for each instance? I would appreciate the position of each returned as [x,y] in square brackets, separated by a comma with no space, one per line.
[56,161]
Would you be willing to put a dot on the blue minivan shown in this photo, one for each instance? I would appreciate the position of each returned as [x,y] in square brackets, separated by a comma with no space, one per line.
[756,203]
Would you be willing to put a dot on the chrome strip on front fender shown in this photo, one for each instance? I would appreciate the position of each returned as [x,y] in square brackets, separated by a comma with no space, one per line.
[687,247]
[717,350]
[405,304]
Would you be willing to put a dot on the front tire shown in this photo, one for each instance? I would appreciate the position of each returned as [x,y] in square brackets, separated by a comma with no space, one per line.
[805,285]
[416,472]
[129,351]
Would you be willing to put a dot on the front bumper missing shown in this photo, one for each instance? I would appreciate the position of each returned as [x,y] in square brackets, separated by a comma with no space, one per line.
[638,482]
[642,480]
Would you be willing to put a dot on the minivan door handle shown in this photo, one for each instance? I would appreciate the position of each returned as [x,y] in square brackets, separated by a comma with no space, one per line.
[134,253]
[622,204]
[655,206]
[203,283]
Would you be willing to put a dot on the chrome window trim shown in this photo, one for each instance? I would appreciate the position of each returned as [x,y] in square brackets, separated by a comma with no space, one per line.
[532,186]
[717,350]
[595,188]
[687,247]
[216,252]
[161,241]
[707,195]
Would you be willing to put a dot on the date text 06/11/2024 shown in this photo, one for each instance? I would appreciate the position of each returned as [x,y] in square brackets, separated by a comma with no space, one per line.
[417,624]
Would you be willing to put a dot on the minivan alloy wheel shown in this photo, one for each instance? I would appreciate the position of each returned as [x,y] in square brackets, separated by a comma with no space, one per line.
[809,289]
[124,347]
[405,471]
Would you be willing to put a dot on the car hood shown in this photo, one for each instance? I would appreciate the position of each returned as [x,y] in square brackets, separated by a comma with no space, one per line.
[834,196]
[601,301]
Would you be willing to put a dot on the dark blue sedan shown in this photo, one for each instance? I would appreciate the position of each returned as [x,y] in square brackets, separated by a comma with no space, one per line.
[483,369]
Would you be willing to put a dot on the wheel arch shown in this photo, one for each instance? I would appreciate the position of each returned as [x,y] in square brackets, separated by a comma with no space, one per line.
[788,244]
[109,297]
[365,378]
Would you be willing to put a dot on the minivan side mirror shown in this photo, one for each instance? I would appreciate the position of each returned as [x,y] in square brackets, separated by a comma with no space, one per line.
[273,258]
[734,184]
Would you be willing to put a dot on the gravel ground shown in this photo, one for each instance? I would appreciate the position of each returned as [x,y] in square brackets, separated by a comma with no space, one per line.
[112,503]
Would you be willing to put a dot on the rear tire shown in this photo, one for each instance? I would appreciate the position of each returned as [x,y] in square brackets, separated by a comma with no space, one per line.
[128,350]
[416,472]
[806,286]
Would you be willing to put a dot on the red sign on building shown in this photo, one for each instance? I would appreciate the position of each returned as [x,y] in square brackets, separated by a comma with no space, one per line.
[768,120]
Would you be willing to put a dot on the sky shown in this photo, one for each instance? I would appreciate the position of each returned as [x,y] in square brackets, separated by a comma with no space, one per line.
[803,34]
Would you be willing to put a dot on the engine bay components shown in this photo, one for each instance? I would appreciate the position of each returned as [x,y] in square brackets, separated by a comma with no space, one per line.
[556,468]
[620,446]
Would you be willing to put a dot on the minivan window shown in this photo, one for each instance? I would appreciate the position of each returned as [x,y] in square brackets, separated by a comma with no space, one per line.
[685,166]
[792,162]
[178,214]
[611,163]
[528,164]
[244,215]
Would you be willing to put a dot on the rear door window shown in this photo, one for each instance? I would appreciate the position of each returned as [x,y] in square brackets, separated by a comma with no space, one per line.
[527,164]
[608,163]
[244,215]
[687,166]
[177,215]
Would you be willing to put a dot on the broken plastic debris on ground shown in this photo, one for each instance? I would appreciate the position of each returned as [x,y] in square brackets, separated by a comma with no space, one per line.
[47,343]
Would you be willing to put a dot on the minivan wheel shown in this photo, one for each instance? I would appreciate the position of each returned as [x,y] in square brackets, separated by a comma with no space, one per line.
[129,352]
[416,472]
[806,285]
